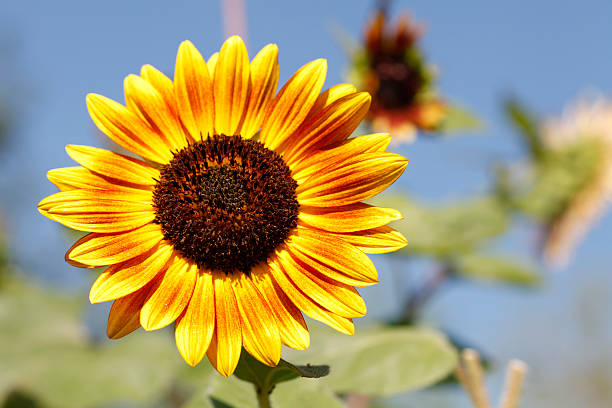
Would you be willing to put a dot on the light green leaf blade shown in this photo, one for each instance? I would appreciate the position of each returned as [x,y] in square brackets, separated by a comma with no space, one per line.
[459,119]
[496,269]
[381,361]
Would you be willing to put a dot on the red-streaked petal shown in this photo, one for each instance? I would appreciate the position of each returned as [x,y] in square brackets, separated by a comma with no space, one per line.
[231,85]
[305,303]
[143,99]
[350,218]
[293,103]
[264,81]
[122,279]
[226,344]
[194,91]
[355,180]
[376,240]
[172,296]
[260,334]
[72,178]
[162,84]
[127,129]
[124,316]
[332,257]
[332,124]
[195,327]
[106,249]
[291,324]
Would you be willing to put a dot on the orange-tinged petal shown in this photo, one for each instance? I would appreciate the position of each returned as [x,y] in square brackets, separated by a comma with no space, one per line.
[305,303]
[292,327]
[194,91]
[332,257]
[350,218]
[101,222]
[77,177]
[231,85]
[127,129]
[122,279]
[172,296]
[194,329]
[96,249]
[332,124]
[162,84]
[335,296]
[260,335]
[376,240]
[264,81]
[116,166]
[293,103]
[124,316]
[143,99]
[212,63]
[226,344]
[329,96]
[315,163]
[352,181]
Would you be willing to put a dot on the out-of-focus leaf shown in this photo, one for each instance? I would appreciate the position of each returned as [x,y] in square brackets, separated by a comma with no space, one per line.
[450,229]
[265,377]
[459,119]
[44,351]
[526,126]
[381,361]
[233,393]
[558,178]
[20,399]
[496,269]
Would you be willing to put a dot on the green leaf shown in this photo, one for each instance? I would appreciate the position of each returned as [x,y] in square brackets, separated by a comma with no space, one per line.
[496,269]
[381,361]
[459,119]
[558,178]
[52,359]
[527,127]
[448,229]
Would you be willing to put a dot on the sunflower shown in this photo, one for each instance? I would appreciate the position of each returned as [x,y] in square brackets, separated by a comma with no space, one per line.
[245,213]
[392,69]
[587,124]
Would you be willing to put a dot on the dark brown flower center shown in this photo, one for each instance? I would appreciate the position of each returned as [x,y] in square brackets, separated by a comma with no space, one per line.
[226,203]
[399,82]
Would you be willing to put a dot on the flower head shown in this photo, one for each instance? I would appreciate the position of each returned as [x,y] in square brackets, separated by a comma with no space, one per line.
[391,68]
[588,123]
[245,213]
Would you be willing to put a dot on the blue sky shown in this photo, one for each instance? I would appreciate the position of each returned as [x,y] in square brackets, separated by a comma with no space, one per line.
[546,52]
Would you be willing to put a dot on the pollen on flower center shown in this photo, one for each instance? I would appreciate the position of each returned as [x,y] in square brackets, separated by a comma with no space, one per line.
[226,203]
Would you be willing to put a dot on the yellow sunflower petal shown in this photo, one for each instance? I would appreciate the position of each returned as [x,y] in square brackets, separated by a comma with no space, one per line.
[315,163]
[332,124]
[194,91]
[292,327]
[122,279]
[329,96]
[91,201]
[77,177]
[172,296]
[376,240]
[264,81]
[195,327]
[124,316]
[116,166]
[338,260]
[231,85]
[260,335]
[127,129]
[212,63]
[162,84]
[293,103]
[350,218]
[335,296]
[226,344]
[96,249]
[103,223]
[143,99]
[305,303]
[355,180]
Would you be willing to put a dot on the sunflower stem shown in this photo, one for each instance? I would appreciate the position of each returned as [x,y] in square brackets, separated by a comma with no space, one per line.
[263,397]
